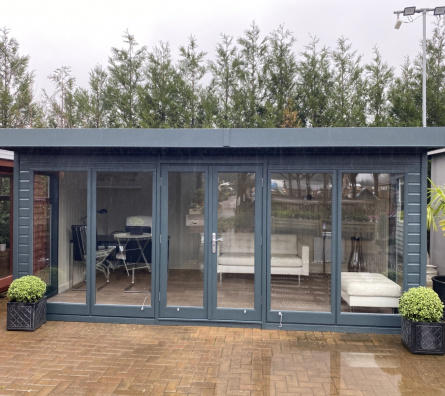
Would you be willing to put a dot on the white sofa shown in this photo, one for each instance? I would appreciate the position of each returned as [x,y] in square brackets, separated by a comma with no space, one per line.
[236,255]
[366,289]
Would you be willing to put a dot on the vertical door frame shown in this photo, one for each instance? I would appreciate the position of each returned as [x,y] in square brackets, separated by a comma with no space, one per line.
[302,317]
[181,312]
[145,310]
[238,314]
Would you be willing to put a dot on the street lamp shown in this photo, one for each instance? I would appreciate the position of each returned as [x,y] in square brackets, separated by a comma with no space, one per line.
[409,11]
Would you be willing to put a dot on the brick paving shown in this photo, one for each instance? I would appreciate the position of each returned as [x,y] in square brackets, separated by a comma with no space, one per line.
[68,358]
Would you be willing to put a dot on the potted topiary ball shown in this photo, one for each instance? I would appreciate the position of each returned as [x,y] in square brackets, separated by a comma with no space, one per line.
[26,308]
[422,329]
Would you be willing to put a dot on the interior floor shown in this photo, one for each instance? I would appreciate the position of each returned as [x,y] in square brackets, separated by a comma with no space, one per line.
[185,288]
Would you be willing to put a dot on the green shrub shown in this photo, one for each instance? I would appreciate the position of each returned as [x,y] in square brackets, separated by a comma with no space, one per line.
[27,289]
[421,304]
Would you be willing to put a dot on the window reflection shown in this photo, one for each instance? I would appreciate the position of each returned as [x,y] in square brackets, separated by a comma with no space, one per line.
[300,258]
[236,235]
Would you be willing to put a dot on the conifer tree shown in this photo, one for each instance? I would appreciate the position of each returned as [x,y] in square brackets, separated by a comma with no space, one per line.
[61,105]
[250,98]
[17,109]
[97,98]
[192,70]
[349,91]
[225,71]
[435,88]
[405,96]
[125,78]
[314,85]
[160,96]
[379,77]
[280,75]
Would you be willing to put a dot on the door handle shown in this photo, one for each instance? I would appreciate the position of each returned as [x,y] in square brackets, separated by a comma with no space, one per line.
[215,241]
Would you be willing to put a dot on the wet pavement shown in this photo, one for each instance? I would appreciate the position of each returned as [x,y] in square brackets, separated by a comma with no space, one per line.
[71,358]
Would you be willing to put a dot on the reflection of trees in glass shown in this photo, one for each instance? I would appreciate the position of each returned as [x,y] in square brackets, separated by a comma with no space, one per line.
[302,196]
[240,189]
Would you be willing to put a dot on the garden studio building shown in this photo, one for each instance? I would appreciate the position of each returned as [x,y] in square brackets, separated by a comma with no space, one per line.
[318,228]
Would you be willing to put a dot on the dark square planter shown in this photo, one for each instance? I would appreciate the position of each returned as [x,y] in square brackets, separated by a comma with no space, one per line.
[423,337]
[26,316]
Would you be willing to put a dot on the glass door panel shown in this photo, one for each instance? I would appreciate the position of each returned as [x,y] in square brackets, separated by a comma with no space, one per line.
[235,251]
[372,210]
[300,255]
[123,262]
[45,231]
[185,269]
[235,259]
[60,207]
[183,291]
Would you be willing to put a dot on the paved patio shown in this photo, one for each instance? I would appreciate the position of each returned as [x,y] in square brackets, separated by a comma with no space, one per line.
[64,358]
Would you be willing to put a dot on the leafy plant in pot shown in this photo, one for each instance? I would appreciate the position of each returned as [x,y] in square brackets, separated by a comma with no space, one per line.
[26,309]
[423,331]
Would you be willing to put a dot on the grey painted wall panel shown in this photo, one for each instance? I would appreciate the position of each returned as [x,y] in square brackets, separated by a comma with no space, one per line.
[413,258]
[413,207]
[414,197]
[413,247]
[413,227]
[413,279]
[413,238]
[413,187]
[25,222]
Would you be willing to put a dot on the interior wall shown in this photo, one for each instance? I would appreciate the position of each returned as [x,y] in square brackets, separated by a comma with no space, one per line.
[185,249]
[121,199]
[72,211]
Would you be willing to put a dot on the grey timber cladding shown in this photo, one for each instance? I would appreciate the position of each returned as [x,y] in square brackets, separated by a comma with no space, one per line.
[413,230]
[24,251]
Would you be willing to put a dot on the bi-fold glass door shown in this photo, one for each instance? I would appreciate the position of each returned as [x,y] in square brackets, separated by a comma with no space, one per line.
[210,243]
[300,247]
[96,254]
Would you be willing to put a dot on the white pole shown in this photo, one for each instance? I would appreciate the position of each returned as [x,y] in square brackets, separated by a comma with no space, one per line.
[424,70]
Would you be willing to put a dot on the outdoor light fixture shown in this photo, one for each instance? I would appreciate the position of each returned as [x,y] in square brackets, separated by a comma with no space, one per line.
[408,11]
[439,11]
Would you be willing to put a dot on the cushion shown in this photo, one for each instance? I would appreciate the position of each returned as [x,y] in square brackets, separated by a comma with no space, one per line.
[236,259]
[369,285]
[286,260]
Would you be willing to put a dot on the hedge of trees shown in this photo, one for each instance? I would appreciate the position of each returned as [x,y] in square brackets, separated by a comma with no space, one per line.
[255,80]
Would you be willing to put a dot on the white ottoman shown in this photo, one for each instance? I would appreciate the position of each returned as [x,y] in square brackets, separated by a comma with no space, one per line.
[366,289]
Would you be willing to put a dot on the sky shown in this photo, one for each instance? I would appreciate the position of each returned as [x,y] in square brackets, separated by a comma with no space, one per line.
[80,33]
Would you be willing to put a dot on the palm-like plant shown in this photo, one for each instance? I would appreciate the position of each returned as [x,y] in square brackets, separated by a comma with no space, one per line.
[436,207]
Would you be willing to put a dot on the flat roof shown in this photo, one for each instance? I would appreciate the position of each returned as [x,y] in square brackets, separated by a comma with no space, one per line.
[423,138]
